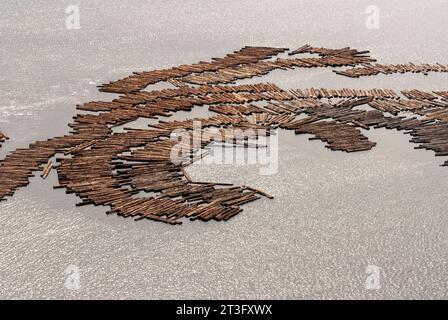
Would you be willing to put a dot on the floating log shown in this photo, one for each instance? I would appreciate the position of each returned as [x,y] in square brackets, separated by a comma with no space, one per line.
[47,169]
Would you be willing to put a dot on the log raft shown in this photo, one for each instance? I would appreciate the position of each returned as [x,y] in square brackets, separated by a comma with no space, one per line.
[132,174]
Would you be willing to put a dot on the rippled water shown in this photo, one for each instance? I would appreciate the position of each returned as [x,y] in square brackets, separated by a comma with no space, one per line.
[333,213]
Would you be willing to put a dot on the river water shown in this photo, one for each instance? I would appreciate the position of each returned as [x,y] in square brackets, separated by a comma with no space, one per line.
[333,215]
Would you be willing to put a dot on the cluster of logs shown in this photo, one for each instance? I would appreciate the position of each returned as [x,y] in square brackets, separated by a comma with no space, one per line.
[140,80]
[374,69]
[236,109]
[343,93]
[395,107]
[419,95]
[339,136]
[433,136]
[347,51]
[437,113]
[132,106]
[232,74]
[120,169]
[113,170]
[3,138]
[443,94]
[158,96]
[18,166]
[362,118]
